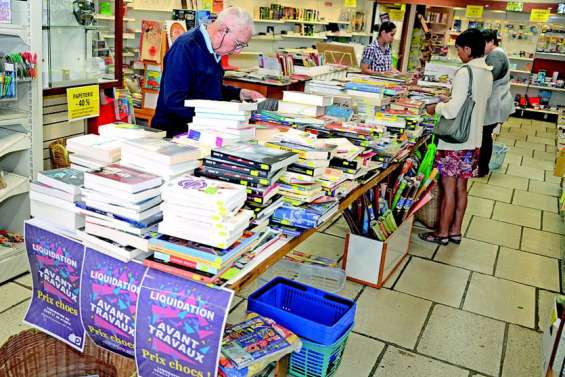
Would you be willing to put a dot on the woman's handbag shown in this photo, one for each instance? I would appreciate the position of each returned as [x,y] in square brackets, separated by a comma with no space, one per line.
[457,130]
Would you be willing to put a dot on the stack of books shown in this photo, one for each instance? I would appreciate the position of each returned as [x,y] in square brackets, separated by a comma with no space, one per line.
[304,104]
[160,157]
[53,196]
[221,123]
[406,106]
[122,208]
[205,211]
[91,152]
[257,168]
[127,131]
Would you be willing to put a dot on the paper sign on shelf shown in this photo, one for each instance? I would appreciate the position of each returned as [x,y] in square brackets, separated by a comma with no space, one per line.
[474,11]
[540,15]
[83,102]
[514,6]
[396,14]
[108,298]
[55,263]
[179,326]
[350,3]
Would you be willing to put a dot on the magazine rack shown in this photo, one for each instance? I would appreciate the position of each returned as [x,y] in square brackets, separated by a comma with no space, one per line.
[371,262]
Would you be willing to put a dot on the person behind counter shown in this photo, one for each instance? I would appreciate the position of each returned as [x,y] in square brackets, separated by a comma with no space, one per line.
[459,162]
[377,56]
[500,104]
[192,69]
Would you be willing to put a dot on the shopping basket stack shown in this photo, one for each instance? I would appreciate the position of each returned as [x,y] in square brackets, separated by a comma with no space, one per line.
[321,319]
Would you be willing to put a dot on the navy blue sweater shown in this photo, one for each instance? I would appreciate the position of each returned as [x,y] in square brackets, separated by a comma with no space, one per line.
[190,71]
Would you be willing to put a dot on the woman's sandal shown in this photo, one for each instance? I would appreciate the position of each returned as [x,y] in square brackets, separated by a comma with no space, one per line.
[455,238]
[432,237]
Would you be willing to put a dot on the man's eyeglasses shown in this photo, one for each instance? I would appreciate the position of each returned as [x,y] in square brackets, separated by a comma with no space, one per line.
[238,45]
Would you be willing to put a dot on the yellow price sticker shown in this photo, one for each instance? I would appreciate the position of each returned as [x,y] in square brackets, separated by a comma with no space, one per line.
[350,3]
[83,102]
[540,15]
[474,11]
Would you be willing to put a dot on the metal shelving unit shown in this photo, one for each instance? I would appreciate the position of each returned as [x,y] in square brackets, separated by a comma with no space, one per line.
[21,138]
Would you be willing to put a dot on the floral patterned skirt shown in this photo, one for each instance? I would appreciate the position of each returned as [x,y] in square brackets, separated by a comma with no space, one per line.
[461,164]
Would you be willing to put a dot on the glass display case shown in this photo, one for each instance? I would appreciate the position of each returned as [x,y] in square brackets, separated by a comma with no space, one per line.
[75,44]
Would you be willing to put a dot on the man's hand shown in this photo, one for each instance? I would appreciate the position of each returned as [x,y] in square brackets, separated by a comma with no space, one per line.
[443,98]
[431,109]
[252,95]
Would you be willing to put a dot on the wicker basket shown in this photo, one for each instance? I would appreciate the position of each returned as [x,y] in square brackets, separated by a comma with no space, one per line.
[429,214]
[35,354]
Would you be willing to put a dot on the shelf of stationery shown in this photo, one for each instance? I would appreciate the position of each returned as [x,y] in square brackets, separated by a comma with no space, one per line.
[295,36]
[266,38]
[13,31]
[553,89]
[301,22]
[550,56]
[109,17]
[14,142]
[520,84]
[16,185]
[521,58]
[551,112]
[247,53]
[519,71]
[269,21]
[11,118]
[151,9]
[13,260]
[112,36]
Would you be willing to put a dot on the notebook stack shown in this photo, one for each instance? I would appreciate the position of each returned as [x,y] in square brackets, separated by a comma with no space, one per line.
[91,152]
[221,123]
[304,104]
[127,131]
[53,196]
[160,157]
[257,168]
[122,208]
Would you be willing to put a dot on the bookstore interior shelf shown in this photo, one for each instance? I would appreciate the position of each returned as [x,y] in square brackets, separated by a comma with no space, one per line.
[13,30]
[550,56]
[550,112]
[521,58]
[16,185]
[13,142]
[519,71]
[520,84]
[13,260]
[293,36]
[547,88]
[10,118]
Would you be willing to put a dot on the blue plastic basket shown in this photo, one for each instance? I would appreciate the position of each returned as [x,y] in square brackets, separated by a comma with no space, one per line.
[498,156]
[316,360]
[310,313]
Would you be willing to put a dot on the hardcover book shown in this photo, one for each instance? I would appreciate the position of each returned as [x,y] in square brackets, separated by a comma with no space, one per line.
[151,37]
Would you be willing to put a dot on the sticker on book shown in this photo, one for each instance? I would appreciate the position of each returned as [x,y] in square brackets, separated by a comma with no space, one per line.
[108,299]
[55,263]
[179,326]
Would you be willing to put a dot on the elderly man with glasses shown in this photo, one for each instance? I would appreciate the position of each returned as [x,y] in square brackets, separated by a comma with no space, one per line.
[192,69]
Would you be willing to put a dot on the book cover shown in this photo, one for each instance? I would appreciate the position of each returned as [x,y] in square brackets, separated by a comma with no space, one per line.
[122,178]
[178,270]
[120,130]
[5,11]
[221,164]
[255,155]
[161,151]
[174,30]
[66,179]
[236,177]
[210,105]
[90,211]
[151,37]
[251,341]
[305,152]
[152,77]
[205,190]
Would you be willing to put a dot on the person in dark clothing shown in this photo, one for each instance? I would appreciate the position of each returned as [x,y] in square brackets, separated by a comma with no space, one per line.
[192,69]
[500,104]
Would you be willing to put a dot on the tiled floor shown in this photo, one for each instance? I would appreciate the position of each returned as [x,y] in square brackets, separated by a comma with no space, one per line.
[458,311]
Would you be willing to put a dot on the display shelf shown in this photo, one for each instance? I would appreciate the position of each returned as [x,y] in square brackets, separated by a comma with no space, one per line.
[13,261]
[342,35]
[16,184]
[248,53]
[269,21]
[547,88]
[112,36]
[552,112]
[519,71]
[286,36]
[550,56]
[521,58]
[13,142]
[266,38]
[128,54]
[141,9]
[13,31]
[307,22]
[360,34]
[106,17]
[11,118]
[520,84]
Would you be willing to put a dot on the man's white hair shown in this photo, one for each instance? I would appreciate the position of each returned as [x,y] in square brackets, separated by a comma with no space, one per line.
[237,17]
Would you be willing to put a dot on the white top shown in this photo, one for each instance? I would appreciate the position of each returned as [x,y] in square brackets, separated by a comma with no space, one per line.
[482,88]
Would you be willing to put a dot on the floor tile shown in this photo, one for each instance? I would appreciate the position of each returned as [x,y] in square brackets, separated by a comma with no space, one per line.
[513,158]
[235,302]
[324,245]
[553,222]
[470,254]
[492,192]
[539,139]
[494,232]
[546,134]
[531,145]
[507,140]
[479,206]
[400,363]
[352,363]
[550,178]
[433,281]
[392,279]
[520,151]
[527,268]
[25,280]
[546,302]
[515,214]
[338,228]
[550,148]
[522,131]
[420,247]
[501,299]
[508,181]
[512,122]
[545,188]
[12,294]
[540,242]
[534,200]
[350,290]
[466,221]
[392,316]
[12,321]
[481,179]
[548,156]
[537,164]
[522,349]
[253,286]
[525,172]
[238,314]
[464,339]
